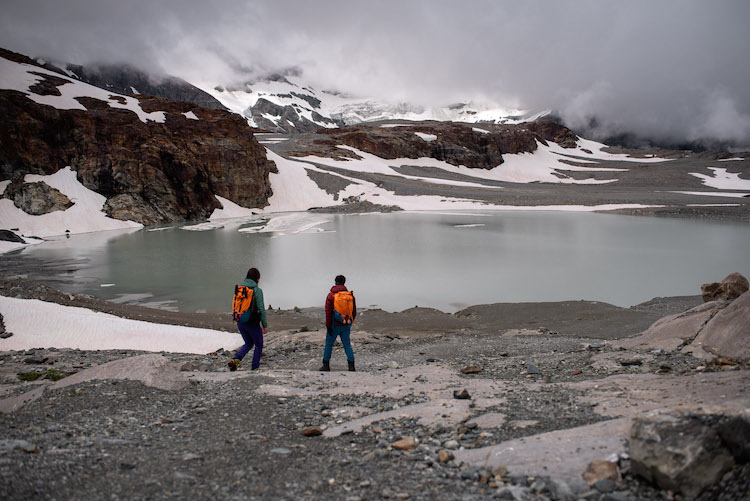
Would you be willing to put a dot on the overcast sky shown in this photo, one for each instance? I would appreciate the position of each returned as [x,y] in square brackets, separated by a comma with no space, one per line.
[669,68]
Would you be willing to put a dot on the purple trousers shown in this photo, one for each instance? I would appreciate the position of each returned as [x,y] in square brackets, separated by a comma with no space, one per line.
[253,336]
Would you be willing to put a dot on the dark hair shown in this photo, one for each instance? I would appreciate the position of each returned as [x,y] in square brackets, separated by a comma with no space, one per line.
[340,280]
[253,274]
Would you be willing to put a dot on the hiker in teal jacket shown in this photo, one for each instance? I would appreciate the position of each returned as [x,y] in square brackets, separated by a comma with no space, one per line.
[250,324]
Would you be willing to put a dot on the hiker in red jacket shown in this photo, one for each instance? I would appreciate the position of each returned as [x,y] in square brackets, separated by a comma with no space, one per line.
[341,309]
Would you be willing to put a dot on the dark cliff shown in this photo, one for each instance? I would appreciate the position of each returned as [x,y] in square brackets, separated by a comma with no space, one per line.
[149,172]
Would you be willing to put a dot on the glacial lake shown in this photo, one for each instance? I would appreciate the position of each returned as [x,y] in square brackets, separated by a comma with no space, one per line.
[396,261]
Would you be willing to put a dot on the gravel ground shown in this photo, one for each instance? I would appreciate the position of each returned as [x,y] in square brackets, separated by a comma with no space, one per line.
[119,439]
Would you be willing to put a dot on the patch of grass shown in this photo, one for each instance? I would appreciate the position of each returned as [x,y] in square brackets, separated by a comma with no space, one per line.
[53,374]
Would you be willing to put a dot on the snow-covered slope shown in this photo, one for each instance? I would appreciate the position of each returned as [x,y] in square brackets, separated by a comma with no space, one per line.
[286,104]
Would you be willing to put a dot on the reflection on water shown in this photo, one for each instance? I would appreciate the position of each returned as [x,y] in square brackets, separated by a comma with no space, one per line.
[396,261]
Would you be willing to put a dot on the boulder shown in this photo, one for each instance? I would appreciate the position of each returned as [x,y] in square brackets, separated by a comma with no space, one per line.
[731,287]
[673,331]
[36,198]
[9,236]
[727,334]
[678,452]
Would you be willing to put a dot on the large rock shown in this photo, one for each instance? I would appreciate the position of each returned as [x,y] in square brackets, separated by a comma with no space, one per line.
[36,198]
[731,287]
[159,172]
[9,236]
[678,452]
[727,334]
[673,331]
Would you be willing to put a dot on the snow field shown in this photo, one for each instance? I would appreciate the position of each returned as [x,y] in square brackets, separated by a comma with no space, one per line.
[38,324]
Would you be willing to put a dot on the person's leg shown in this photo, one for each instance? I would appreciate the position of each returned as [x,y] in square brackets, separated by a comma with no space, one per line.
[330,339]
[346,341]
[257,335]
[247,337]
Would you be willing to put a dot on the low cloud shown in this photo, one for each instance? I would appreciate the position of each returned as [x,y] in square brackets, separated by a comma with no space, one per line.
[673,70]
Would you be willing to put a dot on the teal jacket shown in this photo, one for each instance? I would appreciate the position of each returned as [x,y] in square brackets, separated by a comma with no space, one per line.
[260,307]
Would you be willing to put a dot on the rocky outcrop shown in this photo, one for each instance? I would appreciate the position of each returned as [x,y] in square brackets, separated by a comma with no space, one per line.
[727,334]
[719,328]
[454,143]
[288,119]
[36,198]
[686,452]
[732,287]
[150,172]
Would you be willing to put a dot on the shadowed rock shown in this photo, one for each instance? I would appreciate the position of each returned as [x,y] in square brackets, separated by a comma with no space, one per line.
[681,453]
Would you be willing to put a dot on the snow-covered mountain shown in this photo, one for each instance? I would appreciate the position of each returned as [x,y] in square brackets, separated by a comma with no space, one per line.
[287,104]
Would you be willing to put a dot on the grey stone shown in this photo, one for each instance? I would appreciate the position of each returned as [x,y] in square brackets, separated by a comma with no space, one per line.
[678,452]
[604,485]
[8,445]
[281,451]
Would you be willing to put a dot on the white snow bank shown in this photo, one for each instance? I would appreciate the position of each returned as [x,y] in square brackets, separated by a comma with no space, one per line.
[190,115]
[726,194]
[735,159]
[38,324]
[84,216]
[427,137]
[19,76]
[723,180]
[481,131]
[229,209]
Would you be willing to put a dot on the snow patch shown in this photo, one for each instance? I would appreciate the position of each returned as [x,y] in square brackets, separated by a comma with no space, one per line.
[427,137]
[723,180]
[229,210]
[20,77]
[481,131]
[38,324]
[724,194]
[190,115]
[735,159]
[293,190]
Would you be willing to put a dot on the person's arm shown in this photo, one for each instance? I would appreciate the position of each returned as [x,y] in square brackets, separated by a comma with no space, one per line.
[261,307]
[354,307]
[329,311]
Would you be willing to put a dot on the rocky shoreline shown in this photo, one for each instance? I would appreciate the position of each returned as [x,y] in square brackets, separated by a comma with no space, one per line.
[119,424]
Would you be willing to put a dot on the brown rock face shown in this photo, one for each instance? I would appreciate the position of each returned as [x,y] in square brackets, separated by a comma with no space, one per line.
[455,143]
[731,287]
[150,172]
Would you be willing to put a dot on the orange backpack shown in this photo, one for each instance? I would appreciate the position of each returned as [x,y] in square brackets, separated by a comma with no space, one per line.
[244,299]
[343,304]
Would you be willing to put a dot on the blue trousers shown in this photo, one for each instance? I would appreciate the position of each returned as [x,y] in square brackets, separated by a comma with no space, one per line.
[343,332]
[253,336]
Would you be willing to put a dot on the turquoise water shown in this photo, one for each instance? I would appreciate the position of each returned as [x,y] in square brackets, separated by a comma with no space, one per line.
[396,261]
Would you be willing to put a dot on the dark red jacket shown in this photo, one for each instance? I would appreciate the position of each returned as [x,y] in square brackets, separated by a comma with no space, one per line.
[329,305]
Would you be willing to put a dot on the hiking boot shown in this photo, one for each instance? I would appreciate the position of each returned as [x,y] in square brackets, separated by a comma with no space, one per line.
[234,364]
[351,367]
[326,366]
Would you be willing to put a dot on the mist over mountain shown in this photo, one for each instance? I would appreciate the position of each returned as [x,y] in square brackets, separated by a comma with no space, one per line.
[667,72]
